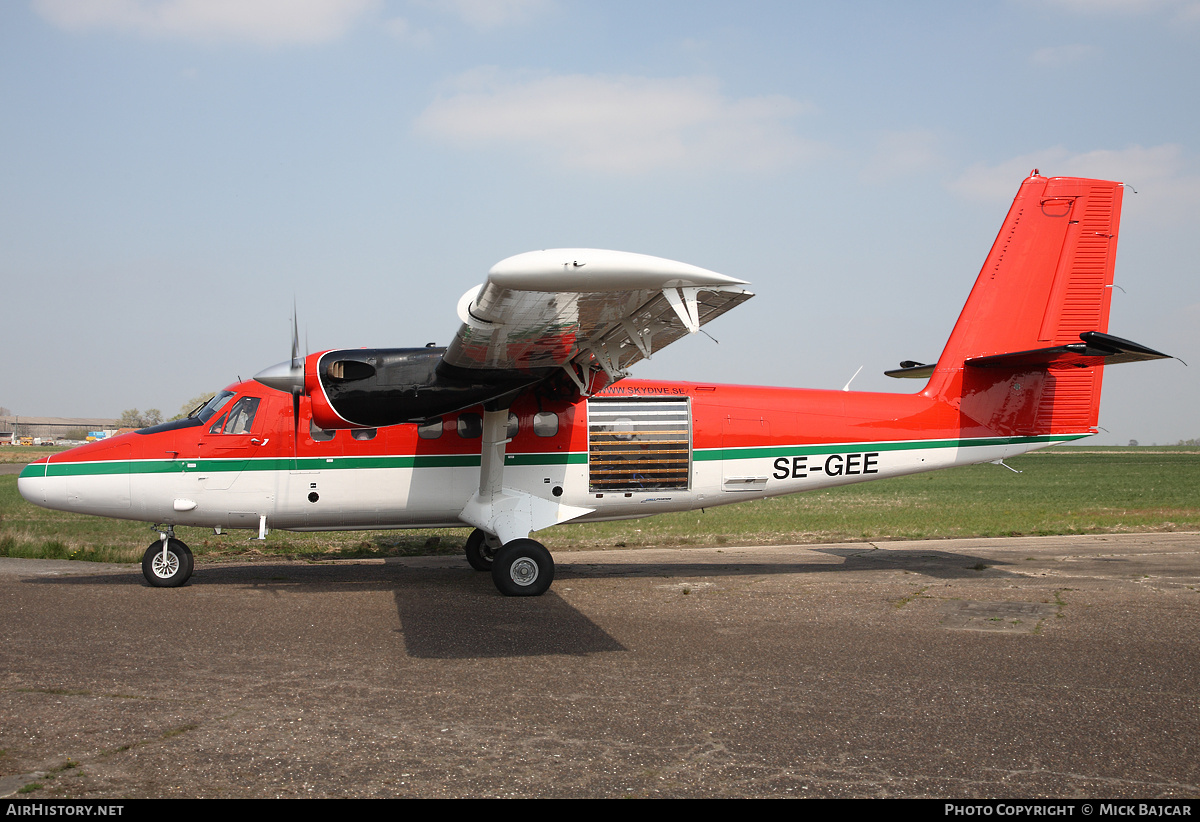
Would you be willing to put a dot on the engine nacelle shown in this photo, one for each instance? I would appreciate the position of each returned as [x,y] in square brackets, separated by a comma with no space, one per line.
[376,387]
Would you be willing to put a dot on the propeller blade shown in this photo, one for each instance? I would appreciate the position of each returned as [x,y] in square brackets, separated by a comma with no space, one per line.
[295,335]
[287,376]
[295,430]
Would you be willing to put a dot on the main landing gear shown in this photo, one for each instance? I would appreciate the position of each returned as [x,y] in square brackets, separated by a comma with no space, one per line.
[167,563]
[520,568]
[481,549]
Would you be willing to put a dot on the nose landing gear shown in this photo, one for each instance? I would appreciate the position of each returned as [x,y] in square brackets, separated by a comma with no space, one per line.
[167,563]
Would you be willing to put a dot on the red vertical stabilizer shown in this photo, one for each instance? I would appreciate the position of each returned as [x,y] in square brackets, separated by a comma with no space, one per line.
[1046,281]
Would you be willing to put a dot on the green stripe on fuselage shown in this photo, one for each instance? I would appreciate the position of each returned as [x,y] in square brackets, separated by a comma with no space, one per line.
[76,469]
[757,452]
[343,463]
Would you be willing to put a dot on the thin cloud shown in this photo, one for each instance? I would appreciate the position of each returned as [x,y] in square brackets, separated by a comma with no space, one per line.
[1160,174]
[267,22]
[620,124]
[403,30]
[1062,56]
[1182,11]
[487,14]
[900,154]
[1133,165]
[1092,7]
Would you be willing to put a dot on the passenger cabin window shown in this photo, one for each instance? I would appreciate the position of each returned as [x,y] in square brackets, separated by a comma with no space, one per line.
[364,434]
[545,423]
[241,416]
[514,425]
[430,430]
[470,426]
[318,433]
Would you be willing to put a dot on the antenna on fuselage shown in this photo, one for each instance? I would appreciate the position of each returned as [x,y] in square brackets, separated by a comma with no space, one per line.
[846,387]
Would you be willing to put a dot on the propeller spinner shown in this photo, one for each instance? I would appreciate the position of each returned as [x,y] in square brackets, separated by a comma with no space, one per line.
[289,375]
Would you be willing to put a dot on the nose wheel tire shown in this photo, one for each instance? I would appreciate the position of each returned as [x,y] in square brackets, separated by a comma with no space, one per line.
[481,550]
[523,568]
[170,569]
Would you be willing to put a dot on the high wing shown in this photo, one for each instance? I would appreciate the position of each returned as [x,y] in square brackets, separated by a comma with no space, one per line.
[588,313]
[583,310]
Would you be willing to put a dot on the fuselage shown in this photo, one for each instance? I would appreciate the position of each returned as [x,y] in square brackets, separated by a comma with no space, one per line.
[634,449]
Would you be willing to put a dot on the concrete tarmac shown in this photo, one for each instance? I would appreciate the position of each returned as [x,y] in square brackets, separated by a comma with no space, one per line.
[1010,668]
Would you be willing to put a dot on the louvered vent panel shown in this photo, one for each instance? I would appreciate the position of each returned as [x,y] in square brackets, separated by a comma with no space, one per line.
[638,445]
[1066,404]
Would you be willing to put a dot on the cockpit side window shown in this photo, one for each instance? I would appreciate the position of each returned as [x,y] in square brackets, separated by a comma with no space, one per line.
[241,416]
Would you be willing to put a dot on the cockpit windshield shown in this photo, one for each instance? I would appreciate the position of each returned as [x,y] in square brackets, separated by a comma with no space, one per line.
[206,411]
[200,415]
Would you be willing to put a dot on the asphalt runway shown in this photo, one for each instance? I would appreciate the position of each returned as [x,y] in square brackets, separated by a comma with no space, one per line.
[1013,668]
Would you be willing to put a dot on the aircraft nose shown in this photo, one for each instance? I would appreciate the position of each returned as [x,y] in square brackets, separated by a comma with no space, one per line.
[31,484]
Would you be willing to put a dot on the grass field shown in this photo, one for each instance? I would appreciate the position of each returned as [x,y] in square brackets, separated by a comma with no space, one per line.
[1065,490]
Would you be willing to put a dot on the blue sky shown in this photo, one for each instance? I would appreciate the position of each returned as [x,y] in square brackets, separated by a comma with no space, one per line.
[175,172]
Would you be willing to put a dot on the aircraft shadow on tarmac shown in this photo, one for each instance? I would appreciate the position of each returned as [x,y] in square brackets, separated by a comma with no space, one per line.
[938,564]
[444,613]
[450,613]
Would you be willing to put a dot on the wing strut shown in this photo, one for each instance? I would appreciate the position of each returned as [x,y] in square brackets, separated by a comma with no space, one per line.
[501,511]
[580,382]
[685,306]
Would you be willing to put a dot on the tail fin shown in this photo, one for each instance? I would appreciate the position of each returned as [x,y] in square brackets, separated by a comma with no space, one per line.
[1026,356]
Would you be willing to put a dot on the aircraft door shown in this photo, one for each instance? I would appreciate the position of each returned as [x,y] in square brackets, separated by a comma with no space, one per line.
[739,474]
[228,444]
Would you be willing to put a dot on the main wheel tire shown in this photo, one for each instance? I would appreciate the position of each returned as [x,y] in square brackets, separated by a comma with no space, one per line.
[170,571]
[481,554]
[523,568]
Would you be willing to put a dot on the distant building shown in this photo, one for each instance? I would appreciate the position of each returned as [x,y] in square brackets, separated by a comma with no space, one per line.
[47,427]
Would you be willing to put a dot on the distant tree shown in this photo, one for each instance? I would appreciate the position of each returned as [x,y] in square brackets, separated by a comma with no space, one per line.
[1133,443]
[4,412]
[1193,441]
[132,418]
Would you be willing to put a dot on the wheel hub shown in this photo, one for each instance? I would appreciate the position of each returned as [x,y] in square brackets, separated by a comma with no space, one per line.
[524,572]
[167,566]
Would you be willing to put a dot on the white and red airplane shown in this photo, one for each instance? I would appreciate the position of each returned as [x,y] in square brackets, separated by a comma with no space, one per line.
[527,419]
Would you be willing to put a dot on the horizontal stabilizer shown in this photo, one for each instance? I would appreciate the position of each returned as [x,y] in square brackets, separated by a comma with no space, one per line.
[912,370]
[1096,349]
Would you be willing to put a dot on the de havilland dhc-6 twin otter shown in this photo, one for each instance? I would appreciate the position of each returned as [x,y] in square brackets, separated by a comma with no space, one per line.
[527,419]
